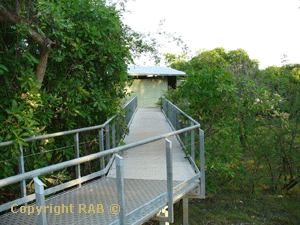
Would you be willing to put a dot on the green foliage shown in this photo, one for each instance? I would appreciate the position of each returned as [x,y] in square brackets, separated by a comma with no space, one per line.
[250,118]
[86,67]
[85,77]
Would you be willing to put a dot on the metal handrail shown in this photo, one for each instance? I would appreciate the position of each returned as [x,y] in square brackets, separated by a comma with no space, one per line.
[120,178]
[174,121]
[182,112]
[74,162]
[62,133]
[132,105]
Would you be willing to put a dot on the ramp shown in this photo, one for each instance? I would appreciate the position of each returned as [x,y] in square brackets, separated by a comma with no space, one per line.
[149,161]
[145,180]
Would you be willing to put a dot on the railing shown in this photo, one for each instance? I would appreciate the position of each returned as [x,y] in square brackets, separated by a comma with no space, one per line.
[103,137]
[179,120]
[123,216]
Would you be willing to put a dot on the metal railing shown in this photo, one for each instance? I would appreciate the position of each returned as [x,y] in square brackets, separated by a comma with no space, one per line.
[103,137]
[179,120]
[123,216]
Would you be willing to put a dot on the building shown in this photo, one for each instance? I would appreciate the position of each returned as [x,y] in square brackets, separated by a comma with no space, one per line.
[150,82]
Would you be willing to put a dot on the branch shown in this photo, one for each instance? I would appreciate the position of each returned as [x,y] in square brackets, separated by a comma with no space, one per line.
[44,41]
[18,6]
[15,19]
[8,16]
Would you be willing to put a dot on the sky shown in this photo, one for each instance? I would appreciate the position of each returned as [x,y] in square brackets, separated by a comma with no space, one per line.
[266,29]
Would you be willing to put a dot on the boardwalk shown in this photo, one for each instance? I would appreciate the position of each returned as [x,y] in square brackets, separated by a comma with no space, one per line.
[145,182]
[149,161]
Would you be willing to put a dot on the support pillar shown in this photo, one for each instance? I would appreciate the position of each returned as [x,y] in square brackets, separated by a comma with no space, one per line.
[185,211]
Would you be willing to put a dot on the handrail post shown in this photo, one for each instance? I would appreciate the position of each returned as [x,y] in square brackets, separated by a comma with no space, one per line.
[186,135]
[193,142]
[22,170]
[101,149]
[169,180]
[76,146]
[121,189]
[40,200]
[164,104]
[168,110]
[107,140]
[173,117]
[113,134]
[177,120]
[202,163]
[118,133]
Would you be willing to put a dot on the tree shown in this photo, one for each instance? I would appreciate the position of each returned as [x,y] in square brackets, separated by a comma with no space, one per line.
[25,15]
[245,123]
[84,49]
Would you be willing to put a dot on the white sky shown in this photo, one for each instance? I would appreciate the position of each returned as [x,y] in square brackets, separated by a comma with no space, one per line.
[266,29]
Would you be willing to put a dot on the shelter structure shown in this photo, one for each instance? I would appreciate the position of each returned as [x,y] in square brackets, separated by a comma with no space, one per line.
[150,82]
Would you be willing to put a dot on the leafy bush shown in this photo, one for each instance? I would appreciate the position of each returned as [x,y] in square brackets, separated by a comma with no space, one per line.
[250,118]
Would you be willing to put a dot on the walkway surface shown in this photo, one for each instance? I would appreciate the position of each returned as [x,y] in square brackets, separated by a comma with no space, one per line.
[149,161]
[145,181]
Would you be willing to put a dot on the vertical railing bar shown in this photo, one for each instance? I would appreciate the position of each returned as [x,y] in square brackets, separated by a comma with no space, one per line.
[40,200]
[169,111]
[107,140]
[21,171]
[177,119]
[169,180]
[181,125]
[185,135]
[202,163]
[121,189]
[117,132]
[76,146]
[193,142]
[101,149]
[173,117]
[113,134]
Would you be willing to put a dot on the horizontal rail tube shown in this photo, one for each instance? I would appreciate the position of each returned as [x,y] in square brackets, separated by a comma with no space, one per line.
[73,162]
[62,133]
[57,188]
[190,118]
[46,136]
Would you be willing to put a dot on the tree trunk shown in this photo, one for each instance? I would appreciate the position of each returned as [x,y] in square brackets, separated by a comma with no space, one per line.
[43,41]
[41,67]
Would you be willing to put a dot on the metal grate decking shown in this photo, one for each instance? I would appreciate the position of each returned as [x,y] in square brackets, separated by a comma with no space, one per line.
[149,161]
[104,192]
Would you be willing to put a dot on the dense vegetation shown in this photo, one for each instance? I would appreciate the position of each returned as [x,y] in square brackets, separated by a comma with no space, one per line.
[63,65]
[250,118]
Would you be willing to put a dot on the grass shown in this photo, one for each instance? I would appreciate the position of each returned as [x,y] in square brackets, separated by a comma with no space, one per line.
[229,207]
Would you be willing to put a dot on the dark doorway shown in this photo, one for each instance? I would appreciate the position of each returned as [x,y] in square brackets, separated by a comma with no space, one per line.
[172,80]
